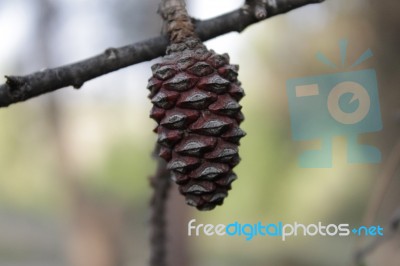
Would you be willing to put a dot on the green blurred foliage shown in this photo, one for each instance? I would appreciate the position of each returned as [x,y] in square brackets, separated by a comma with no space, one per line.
[117,162]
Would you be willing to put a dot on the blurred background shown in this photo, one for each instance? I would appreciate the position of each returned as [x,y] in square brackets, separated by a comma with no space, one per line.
[74,164]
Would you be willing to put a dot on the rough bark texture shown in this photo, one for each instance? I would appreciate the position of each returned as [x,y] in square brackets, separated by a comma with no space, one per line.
[21,88]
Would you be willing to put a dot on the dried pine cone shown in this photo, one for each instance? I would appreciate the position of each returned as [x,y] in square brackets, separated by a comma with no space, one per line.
[195,93]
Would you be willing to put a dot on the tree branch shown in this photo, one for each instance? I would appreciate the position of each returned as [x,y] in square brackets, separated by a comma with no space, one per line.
[21,88]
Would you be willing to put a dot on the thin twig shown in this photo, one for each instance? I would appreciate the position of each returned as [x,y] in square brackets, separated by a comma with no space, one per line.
[380,190]
[382,185]
[21,88]
[390,232]
[161,184]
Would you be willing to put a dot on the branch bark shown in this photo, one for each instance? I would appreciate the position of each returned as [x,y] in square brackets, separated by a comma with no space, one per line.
[175,16]
[20,88]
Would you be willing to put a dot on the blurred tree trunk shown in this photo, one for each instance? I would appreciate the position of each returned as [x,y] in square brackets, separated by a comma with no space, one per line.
[96,232]
[93,238]
[386,24]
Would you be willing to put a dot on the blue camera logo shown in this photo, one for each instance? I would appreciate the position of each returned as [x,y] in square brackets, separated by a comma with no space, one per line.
[340,104]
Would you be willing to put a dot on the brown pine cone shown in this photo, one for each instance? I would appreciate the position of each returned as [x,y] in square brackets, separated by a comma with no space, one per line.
[195,93]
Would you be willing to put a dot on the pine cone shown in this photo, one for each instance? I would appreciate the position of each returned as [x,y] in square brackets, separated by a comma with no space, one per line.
[195,93]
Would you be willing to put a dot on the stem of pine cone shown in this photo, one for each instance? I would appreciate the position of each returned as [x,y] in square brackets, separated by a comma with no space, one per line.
[160,183]
[178,23]
[179,27]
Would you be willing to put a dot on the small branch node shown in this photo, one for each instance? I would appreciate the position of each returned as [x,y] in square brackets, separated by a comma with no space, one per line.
[14,82]
[111,53]
[77,85]
[258,8]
